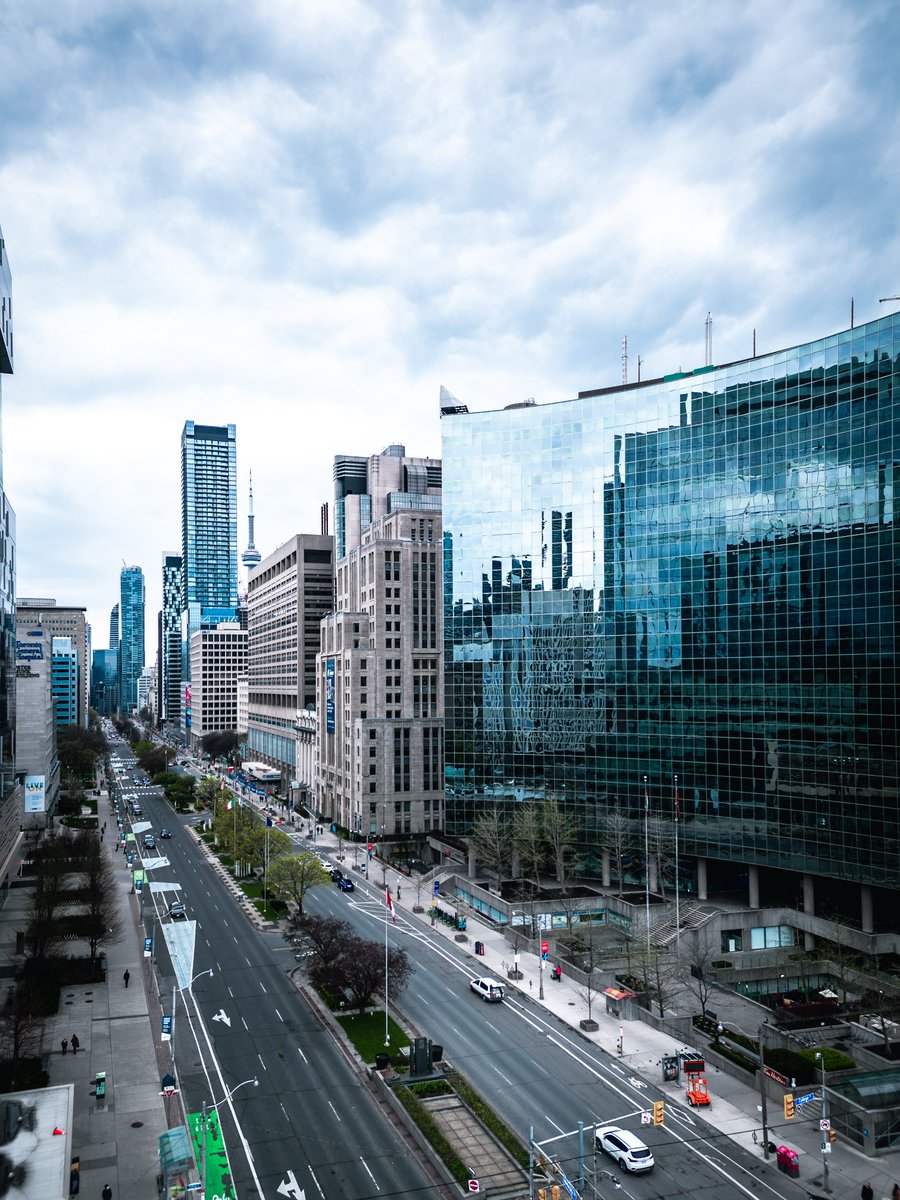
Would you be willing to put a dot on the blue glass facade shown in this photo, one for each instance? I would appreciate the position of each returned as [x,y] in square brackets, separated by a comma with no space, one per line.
[131,635]
[208,528]
[64,681]
[7,573]
[695,580]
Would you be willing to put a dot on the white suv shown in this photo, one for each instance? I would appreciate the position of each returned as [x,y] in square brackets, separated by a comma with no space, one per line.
[487,989]
[628,1151]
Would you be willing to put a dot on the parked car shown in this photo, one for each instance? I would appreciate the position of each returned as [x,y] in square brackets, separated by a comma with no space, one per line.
[488,989]
[625,1148]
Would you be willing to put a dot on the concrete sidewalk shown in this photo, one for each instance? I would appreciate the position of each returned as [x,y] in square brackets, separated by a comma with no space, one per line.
[735,1105]
[114,1136]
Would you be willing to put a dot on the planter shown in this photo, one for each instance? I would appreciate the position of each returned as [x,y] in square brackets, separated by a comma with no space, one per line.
[417,908]
[588,1025]
[514,974]
[460,937]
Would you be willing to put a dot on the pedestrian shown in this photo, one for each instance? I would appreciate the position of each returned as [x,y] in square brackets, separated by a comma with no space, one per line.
[106,1194]
[866,1193]
[65,1045]
[126,977]
[895,1192]
[75,1043]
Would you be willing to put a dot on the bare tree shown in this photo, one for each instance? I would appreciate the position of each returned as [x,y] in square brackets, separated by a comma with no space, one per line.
[362,972]
[101,920]
[20,1031]
[699,979]
[658,972]
[53,862]
[492,840]
[616,839]
[661,835]
[560,836]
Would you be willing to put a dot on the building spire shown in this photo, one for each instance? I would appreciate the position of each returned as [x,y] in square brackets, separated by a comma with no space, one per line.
[251,556]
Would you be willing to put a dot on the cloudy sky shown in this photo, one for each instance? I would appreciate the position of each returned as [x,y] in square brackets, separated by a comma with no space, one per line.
[303,216]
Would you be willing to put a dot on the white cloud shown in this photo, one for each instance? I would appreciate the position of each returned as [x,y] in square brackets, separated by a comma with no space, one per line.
[302,218]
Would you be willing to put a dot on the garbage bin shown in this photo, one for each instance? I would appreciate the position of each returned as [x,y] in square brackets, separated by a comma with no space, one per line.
[437,1052]
[381,1061]
[788,1161]
[479,947]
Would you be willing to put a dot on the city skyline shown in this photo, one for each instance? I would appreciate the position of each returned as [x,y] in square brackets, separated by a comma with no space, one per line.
[363,205]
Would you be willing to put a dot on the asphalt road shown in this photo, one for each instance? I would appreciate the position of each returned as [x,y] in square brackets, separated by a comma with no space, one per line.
[310,1123]
[537,1072]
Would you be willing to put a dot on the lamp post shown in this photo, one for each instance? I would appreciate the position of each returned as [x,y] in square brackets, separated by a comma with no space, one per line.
[826,1145]
[214,1107]
[175,989]
[761,1040]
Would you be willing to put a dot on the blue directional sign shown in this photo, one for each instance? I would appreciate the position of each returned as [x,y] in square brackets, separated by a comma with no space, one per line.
[805,1099]
[166,1027]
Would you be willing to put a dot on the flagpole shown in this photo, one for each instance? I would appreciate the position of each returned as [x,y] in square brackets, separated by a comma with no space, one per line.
[677,898]
[647,863]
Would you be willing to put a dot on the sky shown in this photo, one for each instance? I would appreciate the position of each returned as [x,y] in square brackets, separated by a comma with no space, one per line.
[303,217]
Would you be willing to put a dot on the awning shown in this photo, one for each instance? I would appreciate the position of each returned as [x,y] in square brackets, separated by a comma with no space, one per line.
[175,1149]
[619,994]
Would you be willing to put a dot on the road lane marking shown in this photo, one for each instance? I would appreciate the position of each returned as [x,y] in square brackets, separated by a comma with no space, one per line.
[245,1025]
[279,1016]
[334,1110]
[260,1057]
[315,1181]
[368,1172]
[303,1056]
[263,986]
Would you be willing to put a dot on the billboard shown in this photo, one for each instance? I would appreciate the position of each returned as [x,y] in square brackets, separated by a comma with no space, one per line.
[187,707]
[35,793]
[329,695]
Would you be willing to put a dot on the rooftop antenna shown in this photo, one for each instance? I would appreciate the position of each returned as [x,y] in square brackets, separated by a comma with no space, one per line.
[707,348]
[640,360]
[852,306]
[625,358]
[887,299]
[251,556]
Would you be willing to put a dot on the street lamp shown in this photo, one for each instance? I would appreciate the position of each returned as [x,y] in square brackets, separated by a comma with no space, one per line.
[214,1107]
[826,1145]
[761,1041]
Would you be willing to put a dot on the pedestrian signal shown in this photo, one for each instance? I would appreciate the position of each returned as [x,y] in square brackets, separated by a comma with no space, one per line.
[788,1107]
[832,1135]
[659,1112]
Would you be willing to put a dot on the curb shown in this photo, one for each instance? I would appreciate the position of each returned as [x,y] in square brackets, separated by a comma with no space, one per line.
[249,909]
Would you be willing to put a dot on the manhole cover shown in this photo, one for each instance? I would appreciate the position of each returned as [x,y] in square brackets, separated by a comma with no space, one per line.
[137,1124]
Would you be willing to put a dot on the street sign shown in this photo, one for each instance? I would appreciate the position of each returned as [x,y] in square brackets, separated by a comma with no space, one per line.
[824,1124]
[545,949]
[148,947]
[826,1149]
[807,1099]
[646,1118]
[437,887]
[166,1034]
[474,1185]
[192,1187]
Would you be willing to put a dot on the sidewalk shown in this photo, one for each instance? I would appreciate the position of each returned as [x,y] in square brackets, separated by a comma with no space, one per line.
[116,1136]
[735,1105]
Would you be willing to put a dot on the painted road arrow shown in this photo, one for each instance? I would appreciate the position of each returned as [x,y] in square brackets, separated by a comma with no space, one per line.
[220,1016]
[290,1187]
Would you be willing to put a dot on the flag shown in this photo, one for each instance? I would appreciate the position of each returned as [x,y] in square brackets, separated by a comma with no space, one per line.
[646,796]
[269,822]
[677,805]
[229,805]
[222,788]
[390,905]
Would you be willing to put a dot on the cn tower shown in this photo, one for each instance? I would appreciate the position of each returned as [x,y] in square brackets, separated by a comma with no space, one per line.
[251,556]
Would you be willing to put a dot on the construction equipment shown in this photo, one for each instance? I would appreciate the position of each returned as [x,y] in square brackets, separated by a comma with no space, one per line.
[696,1089]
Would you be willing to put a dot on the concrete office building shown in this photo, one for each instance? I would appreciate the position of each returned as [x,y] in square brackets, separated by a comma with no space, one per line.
[36,717]
[218,662]
[131,636]
[380,676]
[65,620]
[684,593]
[288,594]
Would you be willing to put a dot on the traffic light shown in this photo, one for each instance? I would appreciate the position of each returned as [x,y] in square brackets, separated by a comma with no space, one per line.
[659,1112]
[788,1107]
[832,1135]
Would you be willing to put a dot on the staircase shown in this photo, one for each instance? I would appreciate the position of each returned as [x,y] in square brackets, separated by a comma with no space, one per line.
[664,931]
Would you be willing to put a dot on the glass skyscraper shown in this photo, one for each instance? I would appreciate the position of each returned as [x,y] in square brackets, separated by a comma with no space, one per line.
[208,528]
[7,595]
[170,664]
[685,592]
[131,635]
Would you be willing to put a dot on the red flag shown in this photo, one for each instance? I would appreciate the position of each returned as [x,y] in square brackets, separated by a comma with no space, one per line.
[390,905]
[222,788]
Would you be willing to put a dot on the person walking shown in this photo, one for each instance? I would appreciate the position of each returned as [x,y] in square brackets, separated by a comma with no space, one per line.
[866,1192]
[65,1045]
[895,1192]
[75,1043]
[126,976]
[106,1194]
